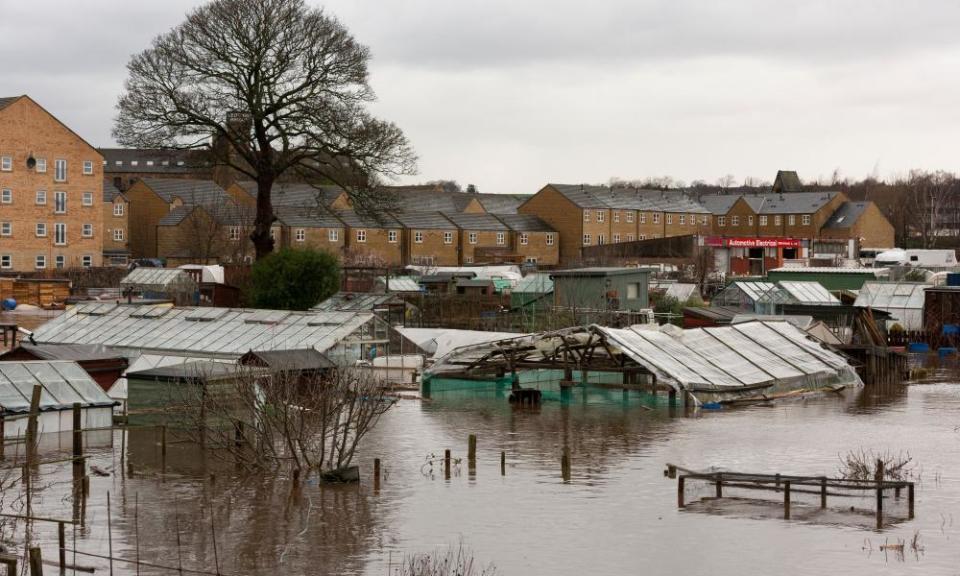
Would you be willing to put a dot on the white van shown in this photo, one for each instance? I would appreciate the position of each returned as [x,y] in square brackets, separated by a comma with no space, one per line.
[901,257]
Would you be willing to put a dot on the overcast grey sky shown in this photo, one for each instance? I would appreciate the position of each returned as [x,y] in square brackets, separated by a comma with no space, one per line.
[511,94]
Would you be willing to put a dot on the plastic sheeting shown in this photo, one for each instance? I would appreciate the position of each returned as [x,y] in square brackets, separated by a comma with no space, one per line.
[904,300]
[62,384]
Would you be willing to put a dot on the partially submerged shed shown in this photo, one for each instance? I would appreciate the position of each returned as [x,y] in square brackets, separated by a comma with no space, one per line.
[159,283]
[102,364]
[903,300]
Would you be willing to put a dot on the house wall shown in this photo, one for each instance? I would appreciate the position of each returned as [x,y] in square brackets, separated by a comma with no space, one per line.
[433,249]
[872,227]
[25,129]
[377,250]
[562,215]
[650,225]
[537,247]
[112,223]
[485,239]
[146,210]
[743,214]
[672,225]
[316,238]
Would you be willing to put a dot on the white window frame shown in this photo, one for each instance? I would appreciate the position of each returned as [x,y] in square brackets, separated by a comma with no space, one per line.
[805,219]
[777,220]
[87,261]
[87,230]
[6,163]
[656,217]
[60,233]
[118,234]
[418,237]
[643,236]
[550,239]
[333,235]
[734,220]
[300,235]
[6,261]
[601,239]
[643,217]
[630,237]
[59,170]
[524,238]
[88,167]
[669,218]
[763,220]
[40,262]
[361,236]
[392,236]
[703,220]
[616,237]
[41,198]
[501,239]
[59,202]
[59,261]
[118,209]
[587,239]
[6,228]
[630,217]
[791,220]
[448,237]
[750,220]
[683,219]
[721,221]
[6,196]
[87,199]
[41,166]
[40,230]
[616,216]
[586,215]
[600,216]
[234,233]
[472,238]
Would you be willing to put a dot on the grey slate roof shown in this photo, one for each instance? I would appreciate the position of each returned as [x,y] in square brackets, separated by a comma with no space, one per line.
[846,215]
[719,204]
[476,221]
[306,217]
[524,223]
[150,160]
[428,199]
[794,202]
[599,197]
[190,191]
[177,215]
[8,100]
[501,203]
[357,220]
[424,220]
[296,194]
[110,192]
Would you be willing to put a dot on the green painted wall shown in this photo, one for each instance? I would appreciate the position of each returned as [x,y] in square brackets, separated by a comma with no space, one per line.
[829,280]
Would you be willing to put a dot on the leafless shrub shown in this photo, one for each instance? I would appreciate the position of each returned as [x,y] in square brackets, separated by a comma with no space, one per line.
[454,561]
[266,419]
[861,464]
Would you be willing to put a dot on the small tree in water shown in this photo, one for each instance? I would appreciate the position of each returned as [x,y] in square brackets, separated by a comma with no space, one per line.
[294,279]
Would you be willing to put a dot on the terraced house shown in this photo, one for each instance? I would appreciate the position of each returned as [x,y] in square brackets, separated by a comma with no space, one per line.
[584,215]
[116,226]
[51,191]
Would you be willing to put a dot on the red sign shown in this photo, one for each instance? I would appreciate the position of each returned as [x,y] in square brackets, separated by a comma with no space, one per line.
[724,242]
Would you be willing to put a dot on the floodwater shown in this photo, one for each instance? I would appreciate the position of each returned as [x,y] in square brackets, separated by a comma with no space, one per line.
[617,515]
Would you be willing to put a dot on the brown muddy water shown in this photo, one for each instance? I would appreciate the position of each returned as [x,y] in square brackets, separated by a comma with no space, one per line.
[617,514]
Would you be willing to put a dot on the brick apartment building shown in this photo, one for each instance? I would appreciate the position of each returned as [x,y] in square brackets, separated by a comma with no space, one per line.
[51,191]
[116,226]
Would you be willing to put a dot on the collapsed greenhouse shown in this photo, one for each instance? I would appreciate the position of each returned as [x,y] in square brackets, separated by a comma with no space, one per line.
[702,364]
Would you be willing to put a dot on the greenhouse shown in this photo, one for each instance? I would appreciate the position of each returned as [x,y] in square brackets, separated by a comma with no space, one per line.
[903,300]
[743,294]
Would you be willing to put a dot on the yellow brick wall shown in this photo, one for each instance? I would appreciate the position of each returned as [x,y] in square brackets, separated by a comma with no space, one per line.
[485,239]
[146,210]
[25,129]
[537,247]
[562,215]
[377,250]
[112,223]
[433,246]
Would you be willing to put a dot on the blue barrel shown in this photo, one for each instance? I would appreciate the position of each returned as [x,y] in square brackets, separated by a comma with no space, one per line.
[9,304]
[918,347]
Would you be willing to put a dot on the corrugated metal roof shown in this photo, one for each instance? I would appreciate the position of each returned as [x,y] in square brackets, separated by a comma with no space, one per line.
[215,332]
[467,221]
[62,384]
[524,223]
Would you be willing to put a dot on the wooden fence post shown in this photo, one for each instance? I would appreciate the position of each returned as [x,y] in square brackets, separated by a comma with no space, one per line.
[910,500]
[446,464]
[36,562]
[719,486]
[503,463]
[680,502]
[565,464]
[823,492]
[472,449]
[376,473]
[786,500]
[32,423]
[62,541]
[879,479]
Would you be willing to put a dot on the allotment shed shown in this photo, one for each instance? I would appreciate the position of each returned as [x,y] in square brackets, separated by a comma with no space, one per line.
[602,288]
[832,279]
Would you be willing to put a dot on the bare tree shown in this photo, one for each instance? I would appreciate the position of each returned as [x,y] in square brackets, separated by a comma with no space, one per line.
[283,90]
[266,420]
[726,181]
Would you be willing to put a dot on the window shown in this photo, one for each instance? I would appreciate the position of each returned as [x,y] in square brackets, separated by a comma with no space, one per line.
[448,237]
[149,162]
[734,220]
[59,202]
[301,235]
[750,220]
[524,239]
[418,237]
[703,220]
[643,236]
[791,220]
[6,229]
[656,217]
[41,196]
[616,238]
[633,291]
[86,261]
[806,219]
[630,217]
[41,229]
[40,262]
[600,215]
[6,163]
[586,215]
[531,260]
[87,199]
[333,235]
[616,216]
[586,239]
[472,238]
[59,261]
[763,220]
[721,221]
[118,234]
[669,218]
[501,238]
[777,220]
[629,237]
[392,236]
[601,240]
[361,235]
[549,239]
[60,170]
[41,167]
[6,261]
[60,232]
[6,196]
[643,217]
[235,233]
[118,209]
[88,167]
[683,219]
[134,162]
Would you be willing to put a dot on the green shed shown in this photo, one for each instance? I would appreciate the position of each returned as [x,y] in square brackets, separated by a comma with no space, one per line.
[602,288]
[831,278]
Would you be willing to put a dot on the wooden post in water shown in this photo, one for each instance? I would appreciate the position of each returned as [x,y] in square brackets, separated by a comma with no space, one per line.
[565,464]
[10,561]
[786,500]
[879,478]
[32,424]
[36,562]
[3,436]
[680,502]
[472,450]
[163,449]
[719,485]
[503,463]
[78,461]
[446,463]
[376,474]
[62,541]
[910,500]
[823,492]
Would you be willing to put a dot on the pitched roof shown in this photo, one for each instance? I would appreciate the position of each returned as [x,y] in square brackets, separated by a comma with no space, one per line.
[110,192]
[177,215]
[72,352]
[795,202]
[153,160]
[587,196]
[8,100]
[296,194]
[189,190]
[501,203]
[524,223]
[428,199]
[356,302]
[719,204]
[306,217]
[62,384]
[787,181]
[475,221]
[846,215]
[359,220]
[424,220]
